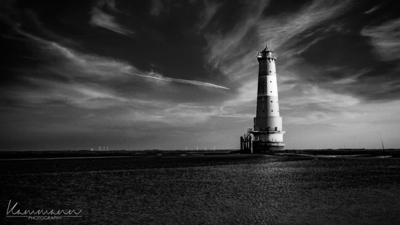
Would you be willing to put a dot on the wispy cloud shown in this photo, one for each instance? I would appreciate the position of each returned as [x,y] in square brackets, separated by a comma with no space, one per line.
[102,19]
[174,116]
[372,9]
[81,95]
[157,76]
[210,8]
[109,68]
[104,67]
[157,7]
[351,78]
[283,32]
[90,82]
[308,104]
[385,39]
[234,46]
[87,79]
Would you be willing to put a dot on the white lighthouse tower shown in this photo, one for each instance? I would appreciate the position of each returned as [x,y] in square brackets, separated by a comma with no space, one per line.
[267,133]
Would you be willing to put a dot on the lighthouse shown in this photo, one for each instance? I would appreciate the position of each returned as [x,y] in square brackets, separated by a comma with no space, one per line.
[267,133]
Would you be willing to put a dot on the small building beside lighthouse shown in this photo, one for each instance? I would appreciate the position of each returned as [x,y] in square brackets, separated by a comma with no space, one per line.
[267,132]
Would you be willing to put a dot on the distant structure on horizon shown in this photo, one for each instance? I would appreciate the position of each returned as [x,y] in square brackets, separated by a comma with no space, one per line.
[267,133]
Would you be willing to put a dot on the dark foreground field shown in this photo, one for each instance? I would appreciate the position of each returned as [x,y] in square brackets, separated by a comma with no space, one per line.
[127,162]
[145,153]
[205,188]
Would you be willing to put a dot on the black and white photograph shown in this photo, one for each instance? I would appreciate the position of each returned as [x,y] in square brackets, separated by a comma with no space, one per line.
[200,112]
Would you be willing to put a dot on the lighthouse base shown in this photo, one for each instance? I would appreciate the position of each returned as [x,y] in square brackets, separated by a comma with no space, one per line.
[265,147]
[255,141]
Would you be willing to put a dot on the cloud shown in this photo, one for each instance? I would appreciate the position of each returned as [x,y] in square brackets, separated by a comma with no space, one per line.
[174,116]
[235,50]
[385,39]
[114,92]
[242,105]
[109,3]
[26,20]
[351,78]
[208,13]
[108,68]
[102,19]
[157,7]
[103,67]
[372,9]
[232,47]
[83,80]
[81,95]
[157,76]
[310,104]
[287,30]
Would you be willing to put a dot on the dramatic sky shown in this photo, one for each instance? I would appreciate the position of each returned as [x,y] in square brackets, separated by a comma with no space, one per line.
[175,74]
